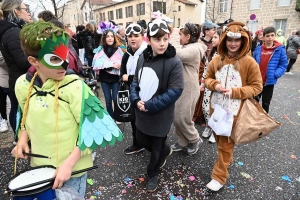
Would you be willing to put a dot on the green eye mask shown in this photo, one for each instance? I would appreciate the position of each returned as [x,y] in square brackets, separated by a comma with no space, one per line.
[54,52]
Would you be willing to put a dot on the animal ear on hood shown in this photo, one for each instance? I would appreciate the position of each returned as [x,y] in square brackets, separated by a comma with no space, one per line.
[235,30]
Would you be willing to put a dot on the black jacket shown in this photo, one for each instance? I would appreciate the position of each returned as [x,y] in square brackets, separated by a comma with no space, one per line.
[12,52]
[123,69]
[88,42]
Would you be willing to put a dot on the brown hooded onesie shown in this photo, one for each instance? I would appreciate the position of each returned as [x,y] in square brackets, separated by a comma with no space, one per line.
[240,73]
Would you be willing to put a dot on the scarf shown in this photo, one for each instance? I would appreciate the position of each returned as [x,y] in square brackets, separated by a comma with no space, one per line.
[17,21]
[132,60]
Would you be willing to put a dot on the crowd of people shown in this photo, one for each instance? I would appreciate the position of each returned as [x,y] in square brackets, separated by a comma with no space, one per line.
[175,75]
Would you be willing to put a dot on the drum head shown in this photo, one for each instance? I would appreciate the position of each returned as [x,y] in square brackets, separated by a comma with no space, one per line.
[32,176]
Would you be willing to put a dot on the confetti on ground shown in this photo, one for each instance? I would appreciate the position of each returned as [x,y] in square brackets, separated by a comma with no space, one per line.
[231,187]
[278,188]
[246,175]
[192,178]
[286,178]
[293,156]
[298,113]
[298,179]
[90,181]
[241,163]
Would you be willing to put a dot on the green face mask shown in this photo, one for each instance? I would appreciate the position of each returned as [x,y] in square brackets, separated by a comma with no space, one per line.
[54,52]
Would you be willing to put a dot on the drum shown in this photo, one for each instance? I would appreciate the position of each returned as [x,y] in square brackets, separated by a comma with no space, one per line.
[40,192]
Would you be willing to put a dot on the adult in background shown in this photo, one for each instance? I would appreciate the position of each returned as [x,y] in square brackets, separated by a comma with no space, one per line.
[79,42]
[3,89]
[280,38]
[46,16]
[121,39]
[87,38]
[190,52]
[15,15]
[293,44]
[97,36]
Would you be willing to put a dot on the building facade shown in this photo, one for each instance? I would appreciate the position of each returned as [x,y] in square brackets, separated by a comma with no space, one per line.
[126,12]
[278,13]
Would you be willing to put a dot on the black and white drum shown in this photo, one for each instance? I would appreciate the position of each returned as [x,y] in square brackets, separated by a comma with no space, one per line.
[40,192]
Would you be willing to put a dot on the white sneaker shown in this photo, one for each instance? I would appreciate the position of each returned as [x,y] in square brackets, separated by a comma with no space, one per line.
[3,126]
[212,139]
[118,123]
[289,73]
[207,132]
[214,185]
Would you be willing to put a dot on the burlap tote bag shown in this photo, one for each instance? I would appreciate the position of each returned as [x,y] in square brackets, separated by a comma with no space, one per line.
[252,124]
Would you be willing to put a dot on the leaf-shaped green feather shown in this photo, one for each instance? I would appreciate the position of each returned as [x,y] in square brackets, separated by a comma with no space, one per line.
[92,116]
[90,101]
[113,141]
[87,110]
[120,138]
[100,114]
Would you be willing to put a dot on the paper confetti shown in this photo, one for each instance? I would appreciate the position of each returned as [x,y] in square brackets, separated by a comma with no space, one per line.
[278,188]
[231,186]
[286,178]
[90,181]
[298,179]
[244,174]
[293,156]
[241,163]
[192,178]
[298,113]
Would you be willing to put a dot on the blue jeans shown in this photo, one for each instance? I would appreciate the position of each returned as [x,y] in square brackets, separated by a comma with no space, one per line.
[13,111]
[78,184]
[110,91]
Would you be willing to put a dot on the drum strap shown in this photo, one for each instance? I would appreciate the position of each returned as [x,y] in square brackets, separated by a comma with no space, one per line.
[26,106]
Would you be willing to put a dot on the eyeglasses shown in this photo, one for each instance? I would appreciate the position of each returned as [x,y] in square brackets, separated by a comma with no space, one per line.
[133,28]
[26,9]
[157,24]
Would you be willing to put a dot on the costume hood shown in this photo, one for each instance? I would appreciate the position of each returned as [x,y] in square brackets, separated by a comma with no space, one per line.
[235,30]
[278,31]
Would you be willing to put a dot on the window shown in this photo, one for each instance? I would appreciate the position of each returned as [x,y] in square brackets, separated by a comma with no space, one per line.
[161,6]
[284,2]
[281,24]
[140,9]
[179,8]
[178,22]
[223,6]
[127,23]
[110,15]
[102,16]
[74,17]
[254,4]
[119,13]
[129,11]
[85,16]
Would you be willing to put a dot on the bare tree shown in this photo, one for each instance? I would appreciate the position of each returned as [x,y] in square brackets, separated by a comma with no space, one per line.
[52,5]
[213,11]
[169,6]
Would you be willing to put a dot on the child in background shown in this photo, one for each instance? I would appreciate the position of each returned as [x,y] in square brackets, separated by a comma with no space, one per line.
[235,75]
[157,84]
[136,46]
[207,92]
[107,63]
[190,52]
[272,60]
[61,116]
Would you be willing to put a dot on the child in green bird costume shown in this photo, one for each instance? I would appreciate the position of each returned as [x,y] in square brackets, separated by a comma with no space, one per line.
[58,112]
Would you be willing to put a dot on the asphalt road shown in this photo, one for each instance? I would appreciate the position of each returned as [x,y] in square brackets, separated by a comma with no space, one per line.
[257,172]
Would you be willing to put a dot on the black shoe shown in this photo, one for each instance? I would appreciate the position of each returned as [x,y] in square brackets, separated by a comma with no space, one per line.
[167,154]
[133,149]
[152,184]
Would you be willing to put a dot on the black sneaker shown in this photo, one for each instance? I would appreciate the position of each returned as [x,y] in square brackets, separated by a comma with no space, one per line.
[167,154]
[152,184]
[133,149]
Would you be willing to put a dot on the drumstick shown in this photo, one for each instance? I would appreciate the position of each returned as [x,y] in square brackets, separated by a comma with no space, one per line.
[35,155]
[47,180]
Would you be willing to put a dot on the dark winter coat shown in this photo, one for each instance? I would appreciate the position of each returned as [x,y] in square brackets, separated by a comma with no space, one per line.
[293,44]
[12,52]
[158,81]
[88,42]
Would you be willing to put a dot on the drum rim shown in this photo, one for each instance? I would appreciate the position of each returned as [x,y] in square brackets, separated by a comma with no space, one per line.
[34,191]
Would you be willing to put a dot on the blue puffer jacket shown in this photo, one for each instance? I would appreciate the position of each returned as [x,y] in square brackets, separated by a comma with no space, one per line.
[277,64]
